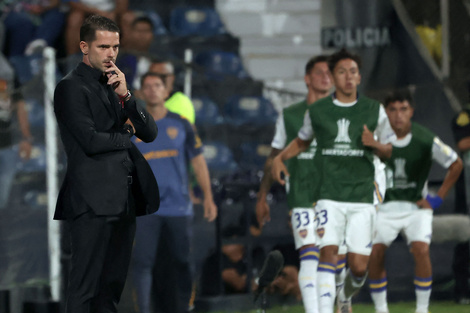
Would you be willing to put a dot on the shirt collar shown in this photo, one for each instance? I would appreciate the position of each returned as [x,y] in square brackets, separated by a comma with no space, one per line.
[92,73]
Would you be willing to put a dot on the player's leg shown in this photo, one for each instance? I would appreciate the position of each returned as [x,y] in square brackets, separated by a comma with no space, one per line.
[143,258]
[303,227]
[419,234]
[180,235]
[388,226]
[359,231]
[378,278]
[330,228]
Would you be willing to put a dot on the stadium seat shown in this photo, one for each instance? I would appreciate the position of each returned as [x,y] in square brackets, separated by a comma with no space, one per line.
[207,112]
[158,28]
[255,111]
[253,155]
[219,64]
[35,115]
[219,159]
[26,67]
[202,21]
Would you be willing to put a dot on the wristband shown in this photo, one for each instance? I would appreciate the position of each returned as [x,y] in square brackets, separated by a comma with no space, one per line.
[434,201]
[125,98]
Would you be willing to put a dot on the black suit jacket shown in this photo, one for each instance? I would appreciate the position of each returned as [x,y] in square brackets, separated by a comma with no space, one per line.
[99,152]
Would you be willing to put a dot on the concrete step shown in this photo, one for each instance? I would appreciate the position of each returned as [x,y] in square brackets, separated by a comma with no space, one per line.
[294,85]
[298,45]
[272,24]
[257,6]
[275,67]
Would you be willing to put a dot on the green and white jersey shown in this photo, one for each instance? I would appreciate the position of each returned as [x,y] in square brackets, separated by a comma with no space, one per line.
[410,163]
[301,184]
[346,168]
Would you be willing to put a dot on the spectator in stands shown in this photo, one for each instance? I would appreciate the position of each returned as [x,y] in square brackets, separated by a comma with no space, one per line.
[31,25]
[177,101]
[11,102]
[461,130]
[135,59]
[168,158]
[80,9]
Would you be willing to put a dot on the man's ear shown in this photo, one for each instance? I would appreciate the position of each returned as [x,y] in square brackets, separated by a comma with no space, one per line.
[84,47]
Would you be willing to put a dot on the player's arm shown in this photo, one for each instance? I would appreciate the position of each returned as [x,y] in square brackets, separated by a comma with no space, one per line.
[464,144]
[262,207]
[294,148]
[380,141]
[203,179]
[383,151]
[444,155]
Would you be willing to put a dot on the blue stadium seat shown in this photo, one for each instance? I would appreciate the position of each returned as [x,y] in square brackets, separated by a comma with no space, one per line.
[246,110]
[193,20]
[159,28]
[37,162]
[219,159]
[219,64]
[27,67]
[253,155]
[35,115]
[207,112]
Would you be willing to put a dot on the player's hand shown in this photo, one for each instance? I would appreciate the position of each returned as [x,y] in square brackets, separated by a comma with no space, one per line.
[262,211]
[368,138]
[423,204]
[277,168]
[116,79]
[210,210]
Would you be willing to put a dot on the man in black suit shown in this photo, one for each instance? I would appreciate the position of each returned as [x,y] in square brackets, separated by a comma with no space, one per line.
[108,182]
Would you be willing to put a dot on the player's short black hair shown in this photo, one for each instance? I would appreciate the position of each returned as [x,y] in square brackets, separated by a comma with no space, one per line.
[314,60]
[142,19]
[341,55]
[152,74]
[94,23]
[400,95]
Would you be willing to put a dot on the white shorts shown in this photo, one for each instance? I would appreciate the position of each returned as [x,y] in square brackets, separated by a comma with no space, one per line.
[380,182]
[351,222]
[414,223]
[303,227]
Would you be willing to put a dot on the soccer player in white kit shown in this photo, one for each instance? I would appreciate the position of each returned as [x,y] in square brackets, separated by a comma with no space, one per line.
[408,207]
[345,126]
[300,190]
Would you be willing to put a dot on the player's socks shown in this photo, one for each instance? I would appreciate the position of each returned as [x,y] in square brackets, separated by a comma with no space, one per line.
[378,292]
[423,288]
[340,272]
[352,284]
[307,278]
[326,287]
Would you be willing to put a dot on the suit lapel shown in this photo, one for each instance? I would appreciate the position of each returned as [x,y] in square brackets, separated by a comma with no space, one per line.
[100,93]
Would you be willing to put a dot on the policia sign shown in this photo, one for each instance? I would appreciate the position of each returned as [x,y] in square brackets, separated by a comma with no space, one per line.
[359,37]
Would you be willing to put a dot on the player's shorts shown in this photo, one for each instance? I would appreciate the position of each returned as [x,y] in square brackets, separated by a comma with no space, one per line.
[352,222]
[303,226]
[380,182]
[400,216]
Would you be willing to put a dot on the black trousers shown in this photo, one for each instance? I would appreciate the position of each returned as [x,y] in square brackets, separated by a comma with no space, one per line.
[101,249]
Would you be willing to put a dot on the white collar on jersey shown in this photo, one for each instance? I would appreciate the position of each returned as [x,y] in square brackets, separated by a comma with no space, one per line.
[403,142]
[343,104]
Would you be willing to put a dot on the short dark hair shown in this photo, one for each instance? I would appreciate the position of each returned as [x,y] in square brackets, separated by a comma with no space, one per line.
[341,55]
[142,19]
[313,61]
[400,95]
[94,23]
[152,74]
